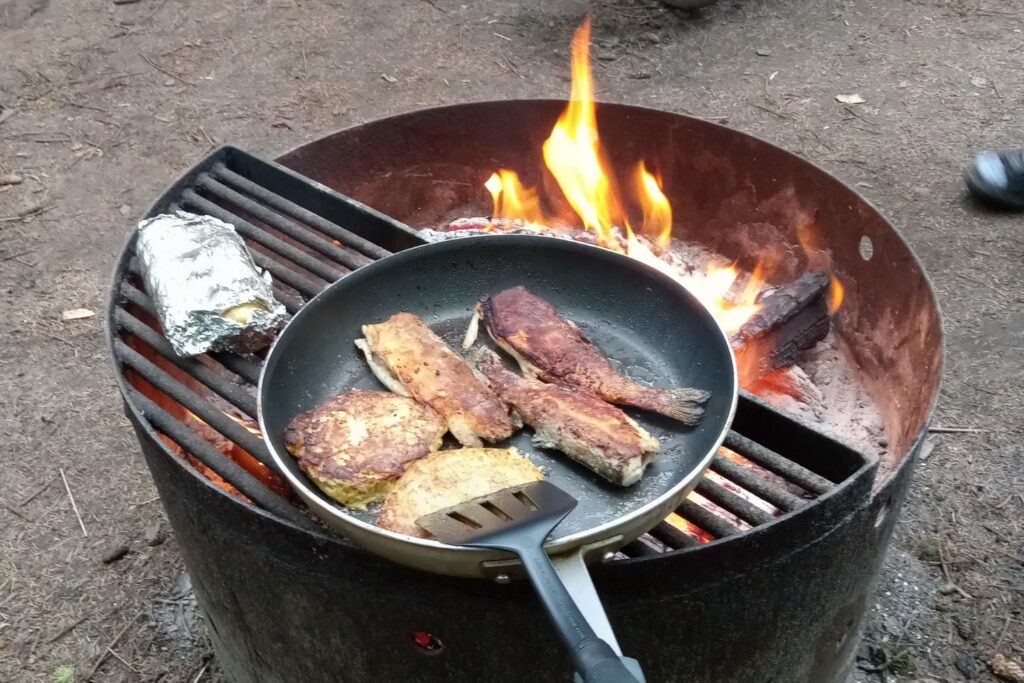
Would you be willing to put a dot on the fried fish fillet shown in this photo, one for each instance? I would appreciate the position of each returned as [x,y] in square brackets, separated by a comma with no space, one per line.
[447,478]
[550,348]
[594,433]
[355,445]
[411,360]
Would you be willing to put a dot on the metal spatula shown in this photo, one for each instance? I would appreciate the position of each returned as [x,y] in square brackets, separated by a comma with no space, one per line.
[519,519]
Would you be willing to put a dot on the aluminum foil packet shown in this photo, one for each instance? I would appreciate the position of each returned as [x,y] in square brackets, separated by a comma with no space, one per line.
[208,292]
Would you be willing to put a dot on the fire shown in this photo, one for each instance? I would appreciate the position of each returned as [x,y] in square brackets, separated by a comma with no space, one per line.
[657,209]
[835,295]
[575,158]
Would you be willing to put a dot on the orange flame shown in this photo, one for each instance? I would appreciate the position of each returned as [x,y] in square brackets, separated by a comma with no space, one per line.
[575,158]
[657,209]
[835,295]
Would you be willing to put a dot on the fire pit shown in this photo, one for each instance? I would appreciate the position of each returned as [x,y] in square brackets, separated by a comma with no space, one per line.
[763,574]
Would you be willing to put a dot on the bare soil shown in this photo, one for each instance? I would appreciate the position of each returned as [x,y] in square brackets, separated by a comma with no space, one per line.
[103,104]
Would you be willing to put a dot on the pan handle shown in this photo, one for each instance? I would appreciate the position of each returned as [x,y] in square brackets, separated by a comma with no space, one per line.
[572,570]
[594,659]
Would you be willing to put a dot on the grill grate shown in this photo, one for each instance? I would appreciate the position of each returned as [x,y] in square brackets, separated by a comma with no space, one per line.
[770,465]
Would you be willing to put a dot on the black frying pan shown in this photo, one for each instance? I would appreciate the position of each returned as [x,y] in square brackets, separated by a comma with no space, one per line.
[642,319]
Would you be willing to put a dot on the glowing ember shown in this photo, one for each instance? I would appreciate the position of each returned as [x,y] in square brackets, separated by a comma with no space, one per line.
[689,528]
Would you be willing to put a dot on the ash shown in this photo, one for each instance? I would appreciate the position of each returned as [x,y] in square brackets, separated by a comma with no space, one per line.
[822,389]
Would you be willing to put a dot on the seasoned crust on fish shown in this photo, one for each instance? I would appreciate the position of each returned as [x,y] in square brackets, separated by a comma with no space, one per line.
[354,446]
[594,433]
[550,348]
[408,358]
[447,478]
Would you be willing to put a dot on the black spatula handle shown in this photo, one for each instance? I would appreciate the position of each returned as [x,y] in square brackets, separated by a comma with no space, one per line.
[593,659]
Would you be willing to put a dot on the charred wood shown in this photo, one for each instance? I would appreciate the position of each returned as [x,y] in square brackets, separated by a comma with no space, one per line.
[792,319]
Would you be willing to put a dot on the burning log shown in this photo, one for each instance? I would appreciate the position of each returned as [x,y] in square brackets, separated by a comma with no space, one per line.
[792,319]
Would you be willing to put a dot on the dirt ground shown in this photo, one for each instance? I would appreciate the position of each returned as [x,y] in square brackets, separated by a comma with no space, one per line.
[103,103]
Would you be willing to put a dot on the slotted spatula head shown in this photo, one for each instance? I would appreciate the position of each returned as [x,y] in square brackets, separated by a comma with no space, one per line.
[511,518]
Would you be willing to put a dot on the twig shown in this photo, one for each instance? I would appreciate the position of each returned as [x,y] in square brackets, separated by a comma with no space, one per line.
[999,640]
[769,110]
[10,509]
[122,660]
[442,10]
[164,70]
[956,430]
[27,213]
[202,670]
[67,629]
[107,651]
[942,561]
[39,490]
[74,505]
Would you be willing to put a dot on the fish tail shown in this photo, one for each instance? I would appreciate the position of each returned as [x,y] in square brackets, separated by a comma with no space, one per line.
[683,405]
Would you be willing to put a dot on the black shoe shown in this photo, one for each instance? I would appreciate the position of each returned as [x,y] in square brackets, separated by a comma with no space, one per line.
[997,178]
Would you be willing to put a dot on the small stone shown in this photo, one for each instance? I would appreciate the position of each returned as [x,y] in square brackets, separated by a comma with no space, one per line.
[28,283]
[114,553]
[966,666]
[650,37]
[10,179]
[169,82]
[155,535]
[763,52]
[124,209]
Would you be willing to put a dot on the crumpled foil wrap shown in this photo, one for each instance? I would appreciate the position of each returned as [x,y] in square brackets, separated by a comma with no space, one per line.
[208,293]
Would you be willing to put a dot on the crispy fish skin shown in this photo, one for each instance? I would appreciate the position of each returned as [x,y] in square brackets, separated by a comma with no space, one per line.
[594,433]
[411,360]
[447,478]
[550,348]
[356,445]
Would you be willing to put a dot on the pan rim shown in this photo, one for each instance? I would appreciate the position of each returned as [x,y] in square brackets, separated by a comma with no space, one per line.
[605,531]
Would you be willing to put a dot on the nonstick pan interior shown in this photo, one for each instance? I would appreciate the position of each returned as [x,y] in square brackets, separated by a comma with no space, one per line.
[651,328]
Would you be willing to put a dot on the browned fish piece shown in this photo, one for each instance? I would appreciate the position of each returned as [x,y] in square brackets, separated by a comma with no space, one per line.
[411,360]
[354,446]
[550,348]
[594,433]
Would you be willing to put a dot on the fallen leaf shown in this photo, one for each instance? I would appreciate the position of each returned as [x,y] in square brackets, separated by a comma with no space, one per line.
[979,82]
[389,78]
[854,98]
[77,314]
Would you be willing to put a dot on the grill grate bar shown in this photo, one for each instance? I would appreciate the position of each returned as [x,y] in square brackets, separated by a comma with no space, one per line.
[672,536]
[776,495]
[706,520]
[731,502]
[218,383]
[645,546]
[314,265]
[302,285]
[773,462]
[227,468]
[195,403]
[217,189]
[293,210]
[245,369]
